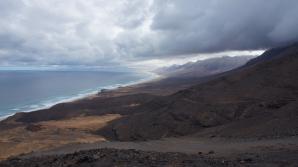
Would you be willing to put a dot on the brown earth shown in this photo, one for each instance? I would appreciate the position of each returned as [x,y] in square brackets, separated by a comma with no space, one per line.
[50,134]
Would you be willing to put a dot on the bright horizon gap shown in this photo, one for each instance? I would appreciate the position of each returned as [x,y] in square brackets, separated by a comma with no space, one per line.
[145,65]
[183,59]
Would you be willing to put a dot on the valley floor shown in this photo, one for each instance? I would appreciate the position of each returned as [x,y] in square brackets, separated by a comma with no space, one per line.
[23,138]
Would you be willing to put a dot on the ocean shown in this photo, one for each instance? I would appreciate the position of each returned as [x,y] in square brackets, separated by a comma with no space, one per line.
[23,91]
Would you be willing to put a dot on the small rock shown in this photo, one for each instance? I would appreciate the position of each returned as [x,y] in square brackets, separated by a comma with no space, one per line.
[242,161]
[96,156]
[104,90]
[248,160]
[34,127]
[211,152]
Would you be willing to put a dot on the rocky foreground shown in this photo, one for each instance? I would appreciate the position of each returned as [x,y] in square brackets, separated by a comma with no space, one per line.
[125,158]
[113,157]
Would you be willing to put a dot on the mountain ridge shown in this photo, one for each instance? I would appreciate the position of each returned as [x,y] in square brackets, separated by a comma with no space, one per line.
[258,90]
[204,68]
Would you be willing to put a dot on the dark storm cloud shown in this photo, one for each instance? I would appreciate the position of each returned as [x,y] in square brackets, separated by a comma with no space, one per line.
[98,32]
[192,26]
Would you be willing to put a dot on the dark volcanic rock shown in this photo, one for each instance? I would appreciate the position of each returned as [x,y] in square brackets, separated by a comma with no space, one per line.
[128,158]
[113,157]
[264,91]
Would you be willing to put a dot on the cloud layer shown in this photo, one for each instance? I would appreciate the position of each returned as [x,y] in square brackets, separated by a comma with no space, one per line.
[99,32]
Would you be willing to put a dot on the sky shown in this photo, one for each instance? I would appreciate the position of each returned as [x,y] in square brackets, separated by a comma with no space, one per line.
[144,34]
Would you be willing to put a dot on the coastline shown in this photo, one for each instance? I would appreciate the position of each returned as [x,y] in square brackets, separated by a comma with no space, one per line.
[85,95]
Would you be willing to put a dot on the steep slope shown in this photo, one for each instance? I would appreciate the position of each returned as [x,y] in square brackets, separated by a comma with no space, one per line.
[270,54]
[265,92]
[85,107]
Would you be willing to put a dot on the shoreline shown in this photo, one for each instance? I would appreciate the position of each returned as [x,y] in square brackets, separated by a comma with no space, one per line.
[81,96]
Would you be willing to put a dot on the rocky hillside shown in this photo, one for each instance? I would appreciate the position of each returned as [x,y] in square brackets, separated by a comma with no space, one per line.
[265,91]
